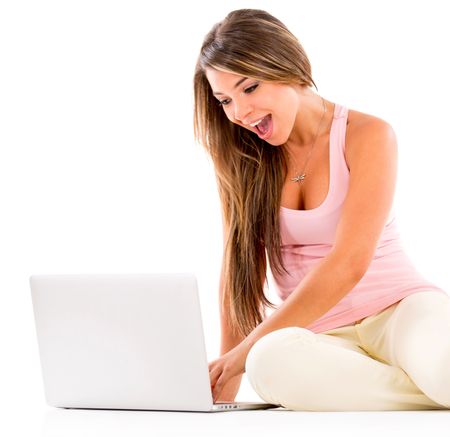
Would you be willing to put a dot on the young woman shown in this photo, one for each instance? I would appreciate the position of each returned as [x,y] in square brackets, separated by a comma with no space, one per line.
[308,185]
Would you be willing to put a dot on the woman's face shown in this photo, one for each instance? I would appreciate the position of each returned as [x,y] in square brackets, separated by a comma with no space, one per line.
[246,100]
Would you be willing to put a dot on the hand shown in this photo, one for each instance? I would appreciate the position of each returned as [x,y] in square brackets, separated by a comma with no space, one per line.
[226,367]
[230,390]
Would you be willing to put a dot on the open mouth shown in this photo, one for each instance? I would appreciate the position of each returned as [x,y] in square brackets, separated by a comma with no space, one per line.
[264,125]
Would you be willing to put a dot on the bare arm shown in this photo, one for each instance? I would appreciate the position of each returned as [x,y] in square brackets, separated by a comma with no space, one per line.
[372,158]
[319,291]
[228,340]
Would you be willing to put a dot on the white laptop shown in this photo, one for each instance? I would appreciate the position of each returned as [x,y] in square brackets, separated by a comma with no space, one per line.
[130,341]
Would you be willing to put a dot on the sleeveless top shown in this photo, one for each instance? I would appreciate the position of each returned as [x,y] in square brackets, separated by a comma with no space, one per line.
[308,235]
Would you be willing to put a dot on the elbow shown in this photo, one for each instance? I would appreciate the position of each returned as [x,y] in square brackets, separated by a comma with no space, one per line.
[358,267]
[355,267]
[359,271]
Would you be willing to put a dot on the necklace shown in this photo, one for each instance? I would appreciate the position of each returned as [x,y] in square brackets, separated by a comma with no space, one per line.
[299,177]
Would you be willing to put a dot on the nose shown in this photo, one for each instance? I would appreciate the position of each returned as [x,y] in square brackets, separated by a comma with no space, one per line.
[241,111]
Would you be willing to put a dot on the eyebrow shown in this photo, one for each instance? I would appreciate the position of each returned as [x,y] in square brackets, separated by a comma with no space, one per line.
[235,86]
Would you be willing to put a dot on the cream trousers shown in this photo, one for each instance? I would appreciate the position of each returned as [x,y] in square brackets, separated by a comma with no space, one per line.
[397,359]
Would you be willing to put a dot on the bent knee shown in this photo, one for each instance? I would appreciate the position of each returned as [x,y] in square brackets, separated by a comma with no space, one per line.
[269,362]
[269,351]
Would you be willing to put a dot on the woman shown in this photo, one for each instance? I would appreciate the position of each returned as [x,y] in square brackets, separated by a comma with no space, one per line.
[309,185]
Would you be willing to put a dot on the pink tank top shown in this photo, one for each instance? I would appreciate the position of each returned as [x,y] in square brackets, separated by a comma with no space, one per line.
[308,235]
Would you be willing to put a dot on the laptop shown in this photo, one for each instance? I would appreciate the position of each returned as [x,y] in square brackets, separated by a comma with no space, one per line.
[124,341]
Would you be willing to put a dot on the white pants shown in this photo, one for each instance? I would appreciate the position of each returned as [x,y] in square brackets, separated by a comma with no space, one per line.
[397,359]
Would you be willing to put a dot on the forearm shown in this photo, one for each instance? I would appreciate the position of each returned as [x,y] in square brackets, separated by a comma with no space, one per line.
[228,342]
[228,338]
[319,291]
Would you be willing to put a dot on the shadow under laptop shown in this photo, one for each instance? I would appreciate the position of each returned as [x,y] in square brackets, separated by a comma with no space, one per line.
[110,422]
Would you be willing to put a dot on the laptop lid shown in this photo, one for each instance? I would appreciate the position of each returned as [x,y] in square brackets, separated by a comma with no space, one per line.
[131,341]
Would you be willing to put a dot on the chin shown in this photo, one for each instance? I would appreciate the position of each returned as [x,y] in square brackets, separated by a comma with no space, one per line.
[275,142]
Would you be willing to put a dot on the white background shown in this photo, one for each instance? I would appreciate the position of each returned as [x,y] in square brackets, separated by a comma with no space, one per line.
[99,172]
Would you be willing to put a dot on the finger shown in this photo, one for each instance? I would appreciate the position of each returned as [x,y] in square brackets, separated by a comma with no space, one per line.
[214,375]
[213,379]
[212,365]
[218,387]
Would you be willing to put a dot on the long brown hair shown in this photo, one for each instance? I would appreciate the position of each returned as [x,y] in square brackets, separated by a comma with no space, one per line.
[249,173]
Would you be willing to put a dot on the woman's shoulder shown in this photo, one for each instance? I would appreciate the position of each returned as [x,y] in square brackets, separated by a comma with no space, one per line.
[360,123]
[361,127]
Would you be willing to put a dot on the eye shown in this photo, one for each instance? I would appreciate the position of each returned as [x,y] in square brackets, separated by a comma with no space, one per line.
[250,89]
[247,91]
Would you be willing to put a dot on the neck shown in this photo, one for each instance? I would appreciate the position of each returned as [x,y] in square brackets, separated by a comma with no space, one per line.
[310,114]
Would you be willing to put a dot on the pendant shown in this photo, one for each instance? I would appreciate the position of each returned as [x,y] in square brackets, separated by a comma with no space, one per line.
[298,178]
